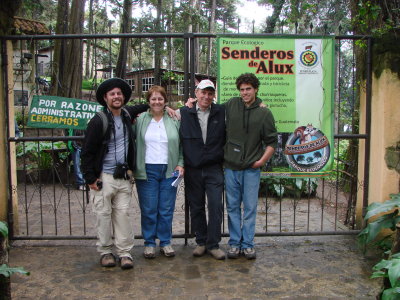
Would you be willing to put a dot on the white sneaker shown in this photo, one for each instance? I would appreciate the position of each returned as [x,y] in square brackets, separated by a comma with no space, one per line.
[168,251]
[149,252]
[233,252]
[249,253]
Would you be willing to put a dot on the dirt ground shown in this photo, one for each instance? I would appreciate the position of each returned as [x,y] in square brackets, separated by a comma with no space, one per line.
[317,267]
[287,267]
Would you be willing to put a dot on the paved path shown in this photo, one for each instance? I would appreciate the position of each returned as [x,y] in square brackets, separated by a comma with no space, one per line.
[318,267]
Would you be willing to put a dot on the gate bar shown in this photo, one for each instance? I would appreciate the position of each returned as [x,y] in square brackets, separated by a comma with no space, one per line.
[368,100]
[167,35]
[266,234]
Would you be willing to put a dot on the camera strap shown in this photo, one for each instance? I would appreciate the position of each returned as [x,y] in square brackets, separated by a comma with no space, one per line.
[115,141]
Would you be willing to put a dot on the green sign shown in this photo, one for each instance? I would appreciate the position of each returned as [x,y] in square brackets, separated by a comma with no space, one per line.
[59,112]
[297,85]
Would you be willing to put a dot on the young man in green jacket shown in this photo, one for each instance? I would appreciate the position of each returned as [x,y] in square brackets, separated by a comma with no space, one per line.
[250,142]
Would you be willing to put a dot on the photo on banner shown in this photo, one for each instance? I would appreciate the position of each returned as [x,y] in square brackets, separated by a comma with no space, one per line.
[297,84]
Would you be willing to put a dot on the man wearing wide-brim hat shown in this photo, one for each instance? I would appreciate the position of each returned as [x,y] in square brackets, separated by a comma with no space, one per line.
[107,161]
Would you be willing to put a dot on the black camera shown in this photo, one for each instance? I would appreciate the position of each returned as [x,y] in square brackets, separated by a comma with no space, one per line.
[99,184]
[120,171]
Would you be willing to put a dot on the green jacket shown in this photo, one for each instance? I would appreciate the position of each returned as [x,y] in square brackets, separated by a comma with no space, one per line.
[249,130]
[175,155]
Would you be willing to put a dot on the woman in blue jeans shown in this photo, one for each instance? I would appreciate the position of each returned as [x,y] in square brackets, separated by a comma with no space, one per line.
[158,157]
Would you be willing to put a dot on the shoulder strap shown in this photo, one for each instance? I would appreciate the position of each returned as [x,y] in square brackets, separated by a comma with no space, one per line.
[104,120]
[127,113]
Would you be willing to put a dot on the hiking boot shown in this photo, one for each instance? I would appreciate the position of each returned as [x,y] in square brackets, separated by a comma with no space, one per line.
[108,260]
[149,252]
[217,253]
[233,252]
[168,251]
[126,263]
[249,253]
[199,250]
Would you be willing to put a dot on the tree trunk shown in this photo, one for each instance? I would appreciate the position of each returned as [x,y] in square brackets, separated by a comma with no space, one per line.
[126,27]
[170,44]
[196,43]
[272,20]
[8,9]
[59,47]
[72,75]
[88,73]
[212,31]
[158,45]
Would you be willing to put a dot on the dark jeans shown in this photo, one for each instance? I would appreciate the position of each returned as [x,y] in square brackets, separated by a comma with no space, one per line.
[200,182]
[76,158]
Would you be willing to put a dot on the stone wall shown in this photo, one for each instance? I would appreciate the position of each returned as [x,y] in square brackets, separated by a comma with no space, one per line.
[385,133]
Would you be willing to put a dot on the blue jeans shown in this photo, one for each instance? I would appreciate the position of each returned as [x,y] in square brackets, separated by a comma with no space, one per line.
[242,187]
[76,158]
[157,203]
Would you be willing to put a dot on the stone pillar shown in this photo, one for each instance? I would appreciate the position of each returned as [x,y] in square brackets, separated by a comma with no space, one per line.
[385,133]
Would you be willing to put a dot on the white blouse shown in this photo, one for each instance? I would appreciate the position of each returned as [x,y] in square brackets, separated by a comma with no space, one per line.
[156,141]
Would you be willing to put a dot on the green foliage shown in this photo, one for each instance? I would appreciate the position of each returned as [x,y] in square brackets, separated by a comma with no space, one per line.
[88,84]
[341,151]
[171,75]
[345,165]
[378,208]
[5,270]
[376,17]
[367,12]
[390,269]
[324,15]
[289,187]
[362,44]
[3,229]
[32,154]
[386,216]
[391,294]
[388,219]
[21,120]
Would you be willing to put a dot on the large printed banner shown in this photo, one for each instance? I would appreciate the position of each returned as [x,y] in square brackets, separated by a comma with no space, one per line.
[297,85]
[59,112]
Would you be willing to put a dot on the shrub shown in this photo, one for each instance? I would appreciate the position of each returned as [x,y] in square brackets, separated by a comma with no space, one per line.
[385,217]
[5,270]
[31,154]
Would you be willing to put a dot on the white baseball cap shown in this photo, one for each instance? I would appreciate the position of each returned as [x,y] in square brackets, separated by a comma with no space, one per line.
[204,84]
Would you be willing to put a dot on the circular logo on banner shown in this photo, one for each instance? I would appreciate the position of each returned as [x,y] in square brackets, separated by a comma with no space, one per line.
[308,58]
[307,149]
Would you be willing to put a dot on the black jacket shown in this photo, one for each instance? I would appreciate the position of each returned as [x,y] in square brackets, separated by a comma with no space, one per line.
[95,144]
[196,153]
